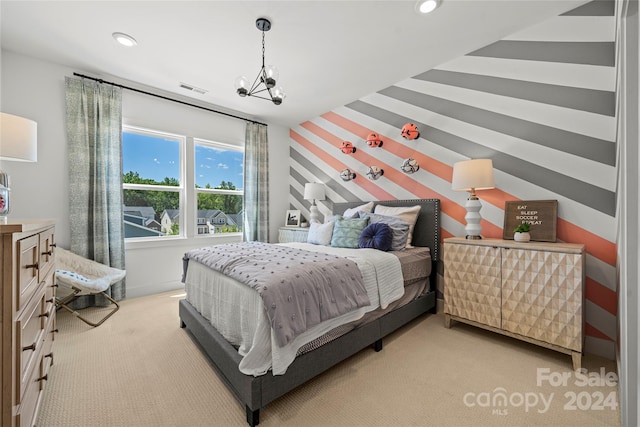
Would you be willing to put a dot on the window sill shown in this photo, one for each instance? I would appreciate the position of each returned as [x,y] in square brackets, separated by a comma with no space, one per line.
[202,240]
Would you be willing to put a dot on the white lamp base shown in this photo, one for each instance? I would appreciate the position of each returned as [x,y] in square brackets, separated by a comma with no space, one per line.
[473,218]
[314,214]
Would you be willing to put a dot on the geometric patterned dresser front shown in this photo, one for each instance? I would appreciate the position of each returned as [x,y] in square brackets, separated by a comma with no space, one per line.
[530,291]
[472,283]
[542,296]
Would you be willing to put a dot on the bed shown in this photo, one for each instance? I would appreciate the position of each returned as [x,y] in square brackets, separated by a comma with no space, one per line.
[256,389]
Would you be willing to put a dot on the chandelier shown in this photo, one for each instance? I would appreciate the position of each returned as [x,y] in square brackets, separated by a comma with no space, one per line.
[267,76]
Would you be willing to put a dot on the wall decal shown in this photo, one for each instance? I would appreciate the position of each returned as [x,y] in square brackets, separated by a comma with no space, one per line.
[373,140]
[347,175]
[347,147]
[410,131]
[374,172]
[410,165]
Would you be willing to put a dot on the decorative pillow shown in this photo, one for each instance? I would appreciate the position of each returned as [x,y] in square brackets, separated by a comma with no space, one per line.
[346,232]
[399,229]
[351,212]
[408,214]
[319,233]
[331,218]
[376,236]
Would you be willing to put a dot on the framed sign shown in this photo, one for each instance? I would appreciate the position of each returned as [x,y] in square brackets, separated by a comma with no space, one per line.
[292,219]
[541,215]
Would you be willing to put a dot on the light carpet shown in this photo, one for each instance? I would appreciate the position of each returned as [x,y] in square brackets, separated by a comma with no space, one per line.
[141,369]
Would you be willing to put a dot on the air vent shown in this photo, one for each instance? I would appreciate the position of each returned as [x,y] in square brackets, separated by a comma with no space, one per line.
[193,88]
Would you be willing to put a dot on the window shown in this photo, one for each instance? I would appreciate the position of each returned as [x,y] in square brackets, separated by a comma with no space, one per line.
[155,190]
[219,178]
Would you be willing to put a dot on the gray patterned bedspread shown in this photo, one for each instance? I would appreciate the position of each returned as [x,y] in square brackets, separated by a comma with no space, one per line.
[299,288]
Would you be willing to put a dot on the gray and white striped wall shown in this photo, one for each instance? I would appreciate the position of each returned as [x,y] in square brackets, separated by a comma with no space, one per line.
[540,103]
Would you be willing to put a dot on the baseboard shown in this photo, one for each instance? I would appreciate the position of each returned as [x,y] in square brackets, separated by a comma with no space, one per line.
[151,289]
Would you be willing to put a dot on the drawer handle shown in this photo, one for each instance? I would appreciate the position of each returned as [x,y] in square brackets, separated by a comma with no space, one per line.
[51,356]
[53,245]
[32,266]
[44,378]
[44,315]
[47,253]
[29,347]
[49,300]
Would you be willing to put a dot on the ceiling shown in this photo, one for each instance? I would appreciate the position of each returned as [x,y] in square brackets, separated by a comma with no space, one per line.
[329,53]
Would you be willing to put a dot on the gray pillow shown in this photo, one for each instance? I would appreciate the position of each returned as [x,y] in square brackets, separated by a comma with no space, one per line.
[399,228]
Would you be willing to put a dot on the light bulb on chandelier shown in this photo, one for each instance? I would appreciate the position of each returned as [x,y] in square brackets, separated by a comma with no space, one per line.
[266,79]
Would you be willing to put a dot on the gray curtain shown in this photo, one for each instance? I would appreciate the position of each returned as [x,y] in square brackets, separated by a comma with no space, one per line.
[94,140]
[256,183]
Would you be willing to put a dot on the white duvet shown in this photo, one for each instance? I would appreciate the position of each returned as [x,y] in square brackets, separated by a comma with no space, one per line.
[236,310]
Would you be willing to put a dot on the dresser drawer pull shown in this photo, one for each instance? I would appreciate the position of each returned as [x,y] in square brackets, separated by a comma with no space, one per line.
[29,347]
[32,266]
[44,378]
[44,314]
[51,356]
[47,253]
[53,245]
[49,300]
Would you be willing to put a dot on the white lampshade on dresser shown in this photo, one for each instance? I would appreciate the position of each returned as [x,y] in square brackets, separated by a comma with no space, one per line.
[18,142]
[472,175]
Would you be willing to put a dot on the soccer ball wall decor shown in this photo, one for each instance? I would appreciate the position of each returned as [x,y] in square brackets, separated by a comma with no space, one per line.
[410,165]
[347,175]
[373,140]
[374,173]
[410,131]
[347,147]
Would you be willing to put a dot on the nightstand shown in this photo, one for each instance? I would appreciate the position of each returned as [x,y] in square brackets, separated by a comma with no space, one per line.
[292,234]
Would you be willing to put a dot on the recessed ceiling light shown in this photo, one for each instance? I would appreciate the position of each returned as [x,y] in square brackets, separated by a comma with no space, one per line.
[125,39]
[427,6]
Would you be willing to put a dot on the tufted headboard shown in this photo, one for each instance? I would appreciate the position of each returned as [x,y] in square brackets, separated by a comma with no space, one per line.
[427,229]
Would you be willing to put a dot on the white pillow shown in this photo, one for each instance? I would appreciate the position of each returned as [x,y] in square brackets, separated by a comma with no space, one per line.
[349,213]
[408,214]
[320,234]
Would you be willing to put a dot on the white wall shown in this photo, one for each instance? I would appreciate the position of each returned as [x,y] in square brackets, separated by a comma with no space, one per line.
[629,212]
[35,89]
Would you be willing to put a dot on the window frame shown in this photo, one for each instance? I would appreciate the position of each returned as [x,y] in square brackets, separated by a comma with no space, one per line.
[188,194]
[197,191]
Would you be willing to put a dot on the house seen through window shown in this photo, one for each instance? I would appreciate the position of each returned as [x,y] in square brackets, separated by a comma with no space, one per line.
[155,191]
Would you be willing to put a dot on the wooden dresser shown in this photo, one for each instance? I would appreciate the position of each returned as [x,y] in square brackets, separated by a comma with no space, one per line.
[531,291]
[27,317]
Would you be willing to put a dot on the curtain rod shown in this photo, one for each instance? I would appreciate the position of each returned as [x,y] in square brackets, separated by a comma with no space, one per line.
[168,99]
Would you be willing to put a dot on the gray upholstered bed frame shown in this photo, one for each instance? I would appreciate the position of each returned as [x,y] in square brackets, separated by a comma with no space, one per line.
[256,392]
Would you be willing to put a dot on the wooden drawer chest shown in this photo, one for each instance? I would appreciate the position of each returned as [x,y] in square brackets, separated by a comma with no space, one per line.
[27,317]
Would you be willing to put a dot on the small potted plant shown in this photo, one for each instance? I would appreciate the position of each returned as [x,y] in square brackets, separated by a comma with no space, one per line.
[521,232]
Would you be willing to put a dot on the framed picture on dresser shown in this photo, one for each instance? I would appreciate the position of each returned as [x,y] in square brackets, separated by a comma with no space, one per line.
[292,219]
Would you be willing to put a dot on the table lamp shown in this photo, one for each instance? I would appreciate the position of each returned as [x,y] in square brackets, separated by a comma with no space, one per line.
[18,142]
[472,175]
[314,191]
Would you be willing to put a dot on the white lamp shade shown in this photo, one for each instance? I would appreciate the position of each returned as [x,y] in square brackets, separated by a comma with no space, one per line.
[314,191]
[18,138]
[476,174]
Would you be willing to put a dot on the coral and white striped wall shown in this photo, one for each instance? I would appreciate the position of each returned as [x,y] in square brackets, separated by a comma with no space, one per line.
[541,104]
